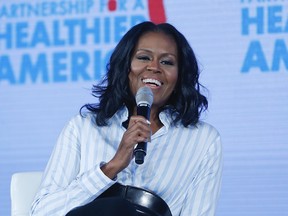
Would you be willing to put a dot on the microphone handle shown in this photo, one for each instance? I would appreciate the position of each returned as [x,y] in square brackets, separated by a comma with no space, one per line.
[140,150]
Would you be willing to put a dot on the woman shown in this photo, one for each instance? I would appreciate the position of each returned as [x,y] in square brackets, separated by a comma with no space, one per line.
[95,150]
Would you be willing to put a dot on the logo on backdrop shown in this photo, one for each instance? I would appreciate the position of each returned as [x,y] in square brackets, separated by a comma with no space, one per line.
[267,19]
[65,41]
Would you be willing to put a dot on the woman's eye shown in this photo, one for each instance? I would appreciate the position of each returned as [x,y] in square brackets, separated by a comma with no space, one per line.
[143,58]
[167,62]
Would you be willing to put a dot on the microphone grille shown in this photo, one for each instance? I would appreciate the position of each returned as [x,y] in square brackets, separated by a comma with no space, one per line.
[144,95]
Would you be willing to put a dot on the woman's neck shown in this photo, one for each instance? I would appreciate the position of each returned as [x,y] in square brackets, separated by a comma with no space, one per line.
[156,124]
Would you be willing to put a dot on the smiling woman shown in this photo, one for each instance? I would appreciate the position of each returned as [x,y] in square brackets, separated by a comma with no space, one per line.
[155,64]
[92,167]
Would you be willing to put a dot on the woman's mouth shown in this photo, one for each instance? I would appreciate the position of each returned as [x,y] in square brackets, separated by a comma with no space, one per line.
[152,82]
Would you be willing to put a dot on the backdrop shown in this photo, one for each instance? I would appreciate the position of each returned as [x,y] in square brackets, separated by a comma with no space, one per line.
[51,52]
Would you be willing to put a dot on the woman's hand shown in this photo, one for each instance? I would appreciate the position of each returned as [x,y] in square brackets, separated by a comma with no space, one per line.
[138,131]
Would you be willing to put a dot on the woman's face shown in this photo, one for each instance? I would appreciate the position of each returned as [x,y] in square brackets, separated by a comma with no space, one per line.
[155,64]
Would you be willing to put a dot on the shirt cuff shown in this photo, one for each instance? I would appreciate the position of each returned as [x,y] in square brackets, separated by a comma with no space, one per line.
[95,181]
[102,164]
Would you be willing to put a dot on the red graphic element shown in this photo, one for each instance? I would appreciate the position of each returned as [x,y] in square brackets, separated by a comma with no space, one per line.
[112,5]
[155,7]
[156,11]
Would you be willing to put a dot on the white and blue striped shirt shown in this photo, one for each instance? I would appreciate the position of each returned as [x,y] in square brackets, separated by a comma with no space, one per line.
[182,165]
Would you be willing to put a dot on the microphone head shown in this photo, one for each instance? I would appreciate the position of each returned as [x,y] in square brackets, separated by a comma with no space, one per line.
[144,95]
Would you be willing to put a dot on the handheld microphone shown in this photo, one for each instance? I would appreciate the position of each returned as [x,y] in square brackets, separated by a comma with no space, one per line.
[144,100]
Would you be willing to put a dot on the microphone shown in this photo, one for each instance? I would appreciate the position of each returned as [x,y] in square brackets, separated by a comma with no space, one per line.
[144,100]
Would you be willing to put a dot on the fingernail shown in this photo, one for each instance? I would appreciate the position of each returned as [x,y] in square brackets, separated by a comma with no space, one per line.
[148,122]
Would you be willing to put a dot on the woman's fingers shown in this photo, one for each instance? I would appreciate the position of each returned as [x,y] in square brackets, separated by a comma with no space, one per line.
[138,131]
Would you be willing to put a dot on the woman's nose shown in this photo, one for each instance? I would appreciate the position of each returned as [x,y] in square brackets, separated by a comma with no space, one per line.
[153,66]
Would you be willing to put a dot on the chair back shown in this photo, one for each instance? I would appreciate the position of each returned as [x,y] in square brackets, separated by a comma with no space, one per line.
[23,188]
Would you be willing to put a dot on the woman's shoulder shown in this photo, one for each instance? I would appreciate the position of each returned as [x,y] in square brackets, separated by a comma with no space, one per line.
[206,128]
[82,119]
[205,125]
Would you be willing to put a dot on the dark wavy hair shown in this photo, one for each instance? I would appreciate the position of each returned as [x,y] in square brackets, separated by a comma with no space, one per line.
[185,104]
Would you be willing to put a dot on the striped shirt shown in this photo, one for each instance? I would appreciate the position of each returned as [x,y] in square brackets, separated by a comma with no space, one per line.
[182,165]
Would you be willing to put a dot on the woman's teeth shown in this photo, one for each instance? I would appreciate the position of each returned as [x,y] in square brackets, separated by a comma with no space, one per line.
[152,81]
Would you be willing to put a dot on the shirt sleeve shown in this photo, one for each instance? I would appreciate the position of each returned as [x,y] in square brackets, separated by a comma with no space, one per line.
[202,195]
[63,187]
